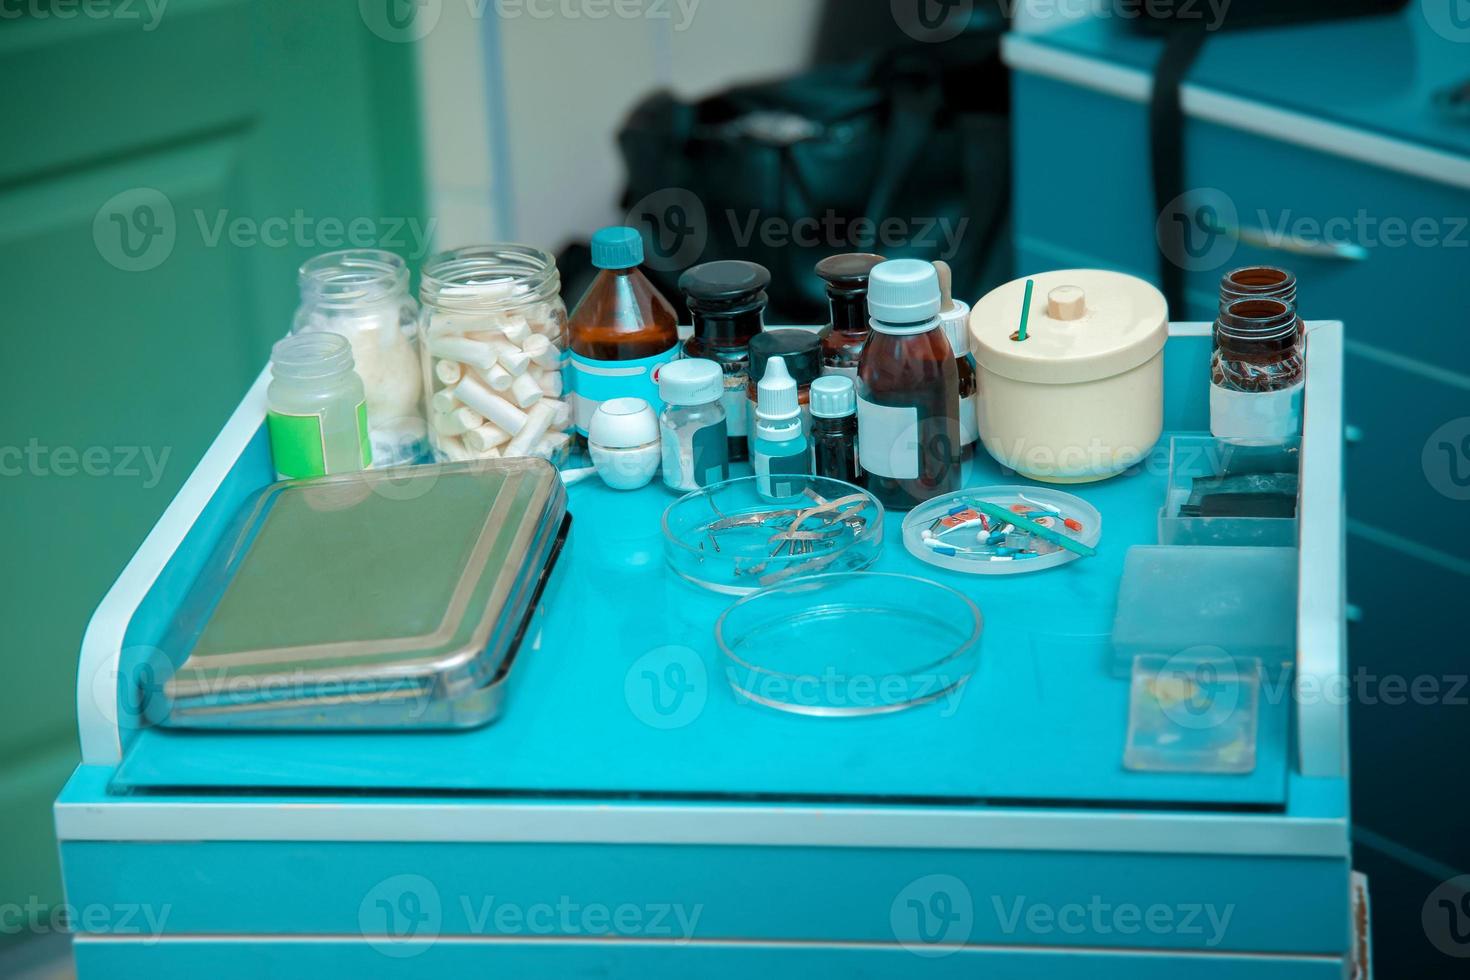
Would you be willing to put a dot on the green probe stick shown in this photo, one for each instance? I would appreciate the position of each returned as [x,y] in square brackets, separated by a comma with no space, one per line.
[1025,309]
[1041,531]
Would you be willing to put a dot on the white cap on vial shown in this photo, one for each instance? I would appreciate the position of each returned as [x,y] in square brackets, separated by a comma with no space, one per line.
[692,381]
[833,397]
[776,395]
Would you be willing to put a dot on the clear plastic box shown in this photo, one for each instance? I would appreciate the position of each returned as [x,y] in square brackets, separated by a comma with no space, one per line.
[1238,466]
[1241,601]
[1193,712]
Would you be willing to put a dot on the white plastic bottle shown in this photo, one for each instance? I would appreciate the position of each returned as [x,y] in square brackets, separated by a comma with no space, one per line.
[316,408]
[780,451]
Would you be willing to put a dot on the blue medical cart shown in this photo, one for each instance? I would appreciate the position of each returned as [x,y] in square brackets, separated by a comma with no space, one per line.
[628,817]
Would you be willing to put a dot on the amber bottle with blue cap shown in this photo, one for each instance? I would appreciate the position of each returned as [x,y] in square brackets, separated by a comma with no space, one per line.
[908,390]
[622,331]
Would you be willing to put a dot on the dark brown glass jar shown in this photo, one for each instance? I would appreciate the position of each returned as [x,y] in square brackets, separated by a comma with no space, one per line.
[1257,346]
[727,301]
[1260,282]
[846,276]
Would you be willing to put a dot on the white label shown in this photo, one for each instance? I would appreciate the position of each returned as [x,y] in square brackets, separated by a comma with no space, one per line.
[969,422]
[1267,415]
[888,440]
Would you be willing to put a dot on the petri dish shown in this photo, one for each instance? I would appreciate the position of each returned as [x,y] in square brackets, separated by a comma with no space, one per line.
[731,538]
[927,517]
[850,644]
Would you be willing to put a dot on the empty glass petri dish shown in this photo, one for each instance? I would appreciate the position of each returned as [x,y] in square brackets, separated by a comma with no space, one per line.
[850,644]
[733,539]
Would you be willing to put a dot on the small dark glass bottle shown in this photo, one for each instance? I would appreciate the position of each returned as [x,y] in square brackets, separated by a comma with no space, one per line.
[835,429]
[727,301]
[846,276]
[1261,282]
[908,390]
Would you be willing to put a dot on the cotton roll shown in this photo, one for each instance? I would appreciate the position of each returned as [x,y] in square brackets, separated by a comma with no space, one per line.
[448,372]
[475,353]
[550,382]
[525,392]
[538,423]
[492,406]
[485,437]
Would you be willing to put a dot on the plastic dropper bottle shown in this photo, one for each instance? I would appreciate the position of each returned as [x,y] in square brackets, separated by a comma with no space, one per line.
[779,452]
[954,316]
[622,331]
[908,390]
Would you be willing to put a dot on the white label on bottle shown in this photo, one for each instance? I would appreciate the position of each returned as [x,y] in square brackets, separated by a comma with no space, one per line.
[734,400]
[1268,415]
[969,422]
[888,439]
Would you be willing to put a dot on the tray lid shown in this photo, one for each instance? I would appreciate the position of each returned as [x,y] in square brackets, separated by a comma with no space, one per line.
[386,580]
[1081,325]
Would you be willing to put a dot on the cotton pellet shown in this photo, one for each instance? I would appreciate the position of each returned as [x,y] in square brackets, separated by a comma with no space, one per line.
[475,353]
[525,392]
[492,406]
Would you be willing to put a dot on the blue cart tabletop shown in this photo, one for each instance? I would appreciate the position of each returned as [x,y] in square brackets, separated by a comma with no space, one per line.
[626,695]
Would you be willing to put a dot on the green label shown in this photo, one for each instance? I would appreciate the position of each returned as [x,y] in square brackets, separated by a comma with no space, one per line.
[299,443]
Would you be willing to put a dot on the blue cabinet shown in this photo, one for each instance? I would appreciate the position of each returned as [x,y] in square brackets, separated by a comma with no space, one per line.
[1318,148]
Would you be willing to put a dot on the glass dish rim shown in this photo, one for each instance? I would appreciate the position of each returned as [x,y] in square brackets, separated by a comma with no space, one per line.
[964,648]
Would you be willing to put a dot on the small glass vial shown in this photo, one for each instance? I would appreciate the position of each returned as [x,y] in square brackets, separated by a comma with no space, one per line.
[780,451]
[908,390]
[846,276]
[493,339]
[316,408]
[362,294]
[727,301]
[622,331]
[801,350]
[692,426]
[1256,371]
[835,428]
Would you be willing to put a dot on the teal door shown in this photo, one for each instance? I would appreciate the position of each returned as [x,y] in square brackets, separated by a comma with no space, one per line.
[165,165]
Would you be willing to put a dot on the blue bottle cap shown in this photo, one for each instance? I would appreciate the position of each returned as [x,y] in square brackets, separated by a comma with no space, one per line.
[617,248]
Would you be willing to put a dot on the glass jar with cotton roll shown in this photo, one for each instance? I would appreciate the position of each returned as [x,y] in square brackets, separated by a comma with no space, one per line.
[362,294]
[493,339]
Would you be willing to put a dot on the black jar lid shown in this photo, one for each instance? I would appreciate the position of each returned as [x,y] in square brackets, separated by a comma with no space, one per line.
[726,287]
[848,272]
[801,349]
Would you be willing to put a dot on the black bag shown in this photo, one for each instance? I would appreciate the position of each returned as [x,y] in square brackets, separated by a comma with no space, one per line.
[906,155]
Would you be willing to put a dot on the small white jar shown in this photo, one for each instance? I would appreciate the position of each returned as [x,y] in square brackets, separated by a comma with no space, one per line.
[622,440]
[1081,398]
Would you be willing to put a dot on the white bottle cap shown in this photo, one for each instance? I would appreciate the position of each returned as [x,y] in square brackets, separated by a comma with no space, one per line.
[692,381]
[956,324]
[776,395]
[833,397]
[903,291]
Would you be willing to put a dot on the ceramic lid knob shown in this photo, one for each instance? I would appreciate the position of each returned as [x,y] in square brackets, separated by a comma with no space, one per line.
[1066,303]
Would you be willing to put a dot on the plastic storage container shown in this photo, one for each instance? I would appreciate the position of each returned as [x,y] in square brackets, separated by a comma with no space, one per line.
[1081,397]
[1193,713]
[731,538]
[362,294]
[850,645]
[317,408]
[1237,602]
[493,337]
[1215,486]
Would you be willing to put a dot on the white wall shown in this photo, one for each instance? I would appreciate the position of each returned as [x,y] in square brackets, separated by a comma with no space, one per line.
[534,158]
